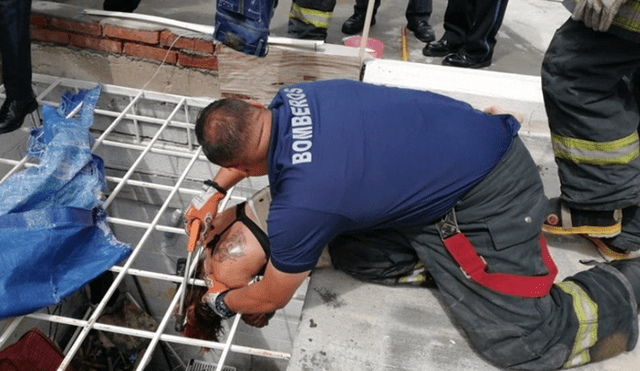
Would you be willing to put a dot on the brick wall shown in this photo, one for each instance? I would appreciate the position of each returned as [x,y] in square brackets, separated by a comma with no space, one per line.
[61,34]
[95,34]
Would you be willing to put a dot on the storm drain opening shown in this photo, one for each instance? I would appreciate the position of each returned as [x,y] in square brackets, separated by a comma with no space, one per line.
[153,168]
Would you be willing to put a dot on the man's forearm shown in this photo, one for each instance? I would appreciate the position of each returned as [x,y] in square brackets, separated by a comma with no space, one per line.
[267,295]
[227,178]
[250,300]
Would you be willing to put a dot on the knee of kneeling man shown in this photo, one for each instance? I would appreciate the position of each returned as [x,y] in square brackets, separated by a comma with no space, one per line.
[516,352]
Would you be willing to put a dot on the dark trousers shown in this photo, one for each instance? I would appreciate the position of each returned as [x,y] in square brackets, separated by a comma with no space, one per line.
[586,79]
[582,317]
[301,26]
[417,10]
[16,47]
[590,87]
[474,24]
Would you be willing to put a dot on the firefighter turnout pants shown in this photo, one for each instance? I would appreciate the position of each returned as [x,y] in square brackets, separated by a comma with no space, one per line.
[310,19]
[585,318]
[592,105]
[591,91]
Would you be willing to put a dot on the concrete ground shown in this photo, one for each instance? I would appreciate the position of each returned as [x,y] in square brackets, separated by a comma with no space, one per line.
[411,329]
[350,325]
[523,38]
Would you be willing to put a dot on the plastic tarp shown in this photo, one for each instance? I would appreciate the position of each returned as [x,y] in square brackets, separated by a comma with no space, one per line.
[54,237]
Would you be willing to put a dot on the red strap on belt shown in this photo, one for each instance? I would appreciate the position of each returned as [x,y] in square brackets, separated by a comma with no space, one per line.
[475,267]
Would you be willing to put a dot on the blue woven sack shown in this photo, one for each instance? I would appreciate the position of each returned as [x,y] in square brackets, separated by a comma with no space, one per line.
[243,25]
[53,228]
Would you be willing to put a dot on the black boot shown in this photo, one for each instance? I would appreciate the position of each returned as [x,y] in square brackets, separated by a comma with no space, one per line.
[440,48]
[631,270]
[13,112]
[423,31]
[355,23]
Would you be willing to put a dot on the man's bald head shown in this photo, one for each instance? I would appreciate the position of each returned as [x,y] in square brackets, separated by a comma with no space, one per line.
[224,128]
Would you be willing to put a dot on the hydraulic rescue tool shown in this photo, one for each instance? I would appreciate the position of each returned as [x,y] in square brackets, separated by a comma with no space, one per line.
[199,217]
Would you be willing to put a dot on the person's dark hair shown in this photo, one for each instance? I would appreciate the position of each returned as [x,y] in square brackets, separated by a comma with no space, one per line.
[222,129]
[200,323]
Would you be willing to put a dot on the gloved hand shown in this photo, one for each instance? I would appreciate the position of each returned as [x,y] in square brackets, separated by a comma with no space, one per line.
[597,14]
[204,207]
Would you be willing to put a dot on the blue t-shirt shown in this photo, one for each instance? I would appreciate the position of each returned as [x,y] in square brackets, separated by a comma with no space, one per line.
[347,156]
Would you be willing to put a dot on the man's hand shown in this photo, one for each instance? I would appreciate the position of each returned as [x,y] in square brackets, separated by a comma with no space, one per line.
[597,14]
[497,110]
[258,319]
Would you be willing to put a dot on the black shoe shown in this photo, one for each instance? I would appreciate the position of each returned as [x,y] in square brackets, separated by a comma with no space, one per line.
[423,31]
[13,112]
[355,24]
[462,60]
[440,48]
[127,6]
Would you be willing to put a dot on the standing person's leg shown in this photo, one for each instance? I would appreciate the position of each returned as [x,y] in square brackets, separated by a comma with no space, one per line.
[635,86]
[16,48]
[127,6]
[592,106]
[575,323]
[15,45]
[418,14]
[310,19]
[457,21]
[355,23]
[480,41]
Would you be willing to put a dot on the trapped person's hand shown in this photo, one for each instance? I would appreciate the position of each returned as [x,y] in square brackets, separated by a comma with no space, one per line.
[597,14]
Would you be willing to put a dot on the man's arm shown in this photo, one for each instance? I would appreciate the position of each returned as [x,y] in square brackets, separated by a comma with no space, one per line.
[273,292]
[227,178]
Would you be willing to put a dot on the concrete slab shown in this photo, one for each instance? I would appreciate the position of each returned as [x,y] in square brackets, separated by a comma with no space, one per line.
[350,325]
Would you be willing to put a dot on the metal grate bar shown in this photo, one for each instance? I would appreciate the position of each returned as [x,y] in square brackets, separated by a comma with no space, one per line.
[187,152]
[115,192]
[127,266]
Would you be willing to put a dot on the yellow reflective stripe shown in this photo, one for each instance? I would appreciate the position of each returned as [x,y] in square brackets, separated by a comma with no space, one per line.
[627,17]
[627,24]
[580,151]
[587,313]
[314,17]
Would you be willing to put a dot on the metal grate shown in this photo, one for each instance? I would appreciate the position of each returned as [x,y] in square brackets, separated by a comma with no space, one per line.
[196,365]
[147,142]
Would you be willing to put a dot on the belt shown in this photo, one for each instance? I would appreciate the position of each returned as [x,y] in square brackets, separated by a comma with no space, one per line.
[474,267]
